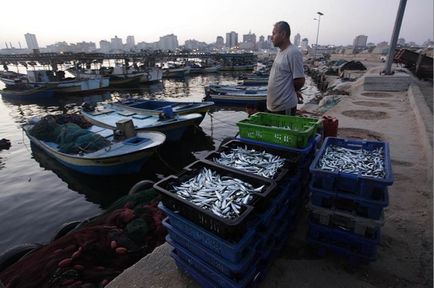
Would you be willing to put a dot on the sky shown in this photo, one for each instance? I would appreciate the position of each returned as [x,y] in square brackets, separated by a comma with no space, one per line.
[94,20]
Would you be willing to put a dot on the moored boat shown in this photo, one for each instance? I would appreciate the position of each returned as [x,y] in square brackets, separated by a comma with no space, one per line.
[27,93]
[156,106]
[96,150]
[173,126]
[235,94]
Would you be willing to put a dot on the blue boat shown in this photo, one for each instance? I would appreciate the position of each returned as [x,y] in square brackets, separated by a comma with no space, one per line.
[173,126]
[118,157]
[236,94]
[156,106]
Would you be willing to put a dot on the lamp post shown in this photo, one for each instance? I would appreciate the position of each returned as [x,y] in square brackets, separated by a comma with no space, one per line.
[317,33]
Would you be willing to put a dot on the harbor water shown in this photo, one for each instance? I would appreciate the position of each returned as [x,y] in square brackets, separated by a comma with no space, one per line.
[38,195]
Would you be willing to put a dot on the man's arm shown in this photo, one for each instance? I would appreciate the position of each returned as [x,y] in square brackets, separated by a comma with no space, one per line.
[298,83]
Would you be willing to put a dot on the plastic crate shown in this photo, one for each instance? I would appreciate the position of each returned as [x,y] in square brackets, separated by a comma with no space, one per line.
[292,159]
[230,269]
[289,131]
[368,187]
[366,227]
[288,196]
[310,147]
[355,205]
[190,261]
[226,228]
[232,251]
[357,248]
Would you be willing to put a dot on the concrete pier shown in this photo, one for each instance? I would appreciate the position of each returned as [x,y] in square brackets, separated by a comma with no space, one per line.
[405,253]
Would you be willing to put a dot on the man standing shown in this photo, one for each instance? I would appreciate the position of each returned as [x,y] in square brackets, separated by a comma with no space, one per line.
[287,73]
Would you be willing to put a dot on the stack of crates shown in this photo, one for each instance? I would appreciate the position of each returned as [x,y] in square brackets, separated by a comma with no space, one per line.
[223,252]
[347,207]
[219,252]
[291,133]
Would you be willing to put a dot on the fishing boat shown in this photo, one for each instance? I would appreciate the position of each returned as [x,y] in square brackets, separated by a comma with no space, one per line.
[156,106]
[116,156]
[174,70]
[172,125]
[120,76]
[235,95]
[57,81]
[27,93]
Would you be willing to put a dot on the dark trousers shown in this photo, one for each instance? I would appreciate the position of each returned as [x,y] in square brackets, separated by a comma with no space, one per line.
[290,111]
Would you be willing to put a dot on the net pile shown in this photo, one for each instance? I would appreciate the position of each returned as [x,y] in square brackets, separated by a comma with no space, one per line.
[97,251]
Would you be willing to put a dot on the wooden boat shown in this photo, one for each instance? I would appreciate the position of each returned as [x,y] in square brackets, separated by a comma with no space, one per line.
[157,106]
[58,82]
[120,157]
[235,94]
[27,93]
[173,126]
[120,76]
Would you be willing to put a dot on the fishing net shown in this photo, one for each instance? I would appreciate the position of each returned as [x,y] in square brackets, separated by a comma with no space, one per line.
[72,139]
[70,136]
[96,252]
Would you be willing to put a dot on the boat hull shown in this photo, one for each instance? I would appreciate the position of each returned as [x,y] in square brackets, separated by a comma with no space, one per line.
[114,164]
[237,99]
[30,94]
[156,107]
[173,128]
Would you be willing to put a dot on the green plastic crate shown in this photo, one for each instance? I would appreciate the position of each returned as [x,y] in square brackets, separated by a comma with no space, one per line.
[289,131]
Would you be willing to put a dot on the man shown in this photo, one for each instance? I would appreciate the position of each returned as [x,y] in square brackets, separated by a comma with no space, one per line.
[287,73]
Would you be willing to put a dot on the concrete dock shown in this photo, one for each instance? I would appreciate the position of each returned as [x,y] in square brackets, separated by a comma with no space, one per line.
[405,256]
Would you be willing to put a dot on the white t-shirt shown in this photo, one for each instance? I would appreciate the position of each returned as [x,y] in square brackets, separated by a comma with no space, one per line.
[287,66]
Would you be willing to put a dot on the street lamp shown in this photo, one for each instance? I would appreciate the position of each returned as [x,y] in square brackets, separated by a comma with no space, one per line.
[317,33]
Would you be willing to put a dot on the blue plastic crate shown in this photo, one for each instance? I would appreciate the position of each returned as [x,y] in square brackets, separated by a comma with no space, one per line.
[232,251]
[290,192]
[343,242]
[311,145]
[348,183]
[190,261]
[355,205]
[292,159]
[226,267]
[228,228]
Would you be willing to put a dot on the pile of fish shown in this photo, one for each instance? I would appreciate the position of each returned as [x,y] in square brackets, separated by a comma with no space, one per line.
[365,162]
[252,161]
[223,195]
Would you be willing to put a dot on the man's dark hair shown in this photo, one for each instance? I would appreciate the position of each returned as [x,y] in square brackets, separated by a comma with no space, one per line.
[284,27]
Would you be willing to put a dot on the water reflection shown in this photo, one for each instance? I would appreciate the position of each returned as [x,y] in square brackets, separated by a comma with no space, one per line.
[37,201]
[104,190]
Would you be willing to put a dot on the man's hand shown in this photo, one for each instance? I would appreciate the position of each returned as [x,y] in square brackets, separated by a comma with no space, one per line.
[299,97]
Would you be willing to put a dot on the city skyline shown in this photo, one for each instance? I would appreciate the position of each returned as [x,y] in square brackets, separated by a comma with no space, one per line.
[342,21]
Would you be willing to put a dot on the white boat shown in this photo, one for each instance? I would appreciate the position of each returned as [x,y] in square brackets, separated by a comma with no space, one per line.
[58,82]
[116,157]
[120,76]
[173,126]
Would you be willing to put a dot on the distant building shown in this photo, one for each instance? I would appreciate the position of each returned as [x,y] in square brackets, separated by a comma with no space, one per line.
[85,47]
[31,41]
[147,46]
[231,39]
[297,39]
[195,45]
[104,46]
[131,43]
[116,43]
[401,42]
[428,43]
[219,42]
[359,43]
[249,42]
[168,42]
